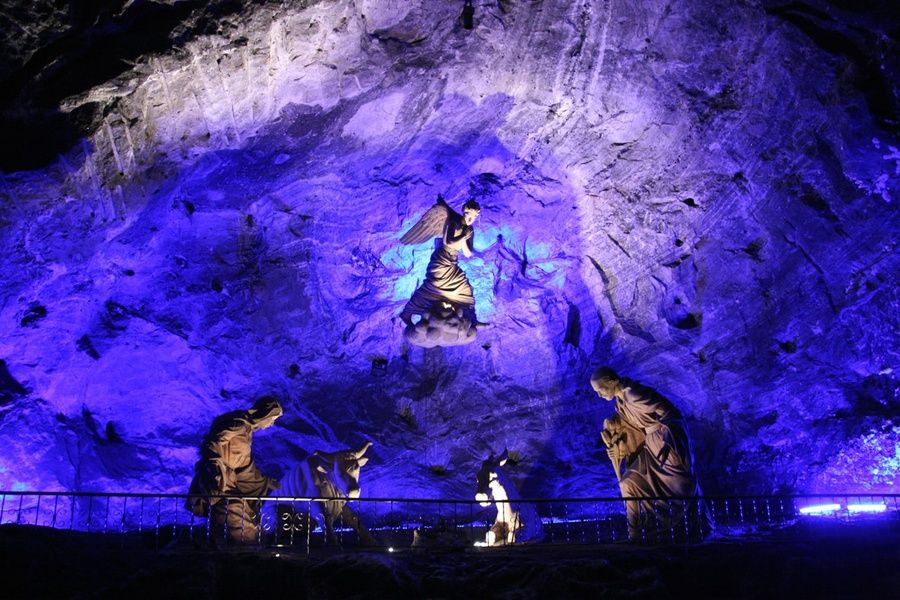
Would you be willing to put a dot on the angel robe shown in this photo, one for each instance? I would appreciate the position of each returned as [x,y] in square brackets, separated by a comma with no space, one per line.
[444,281]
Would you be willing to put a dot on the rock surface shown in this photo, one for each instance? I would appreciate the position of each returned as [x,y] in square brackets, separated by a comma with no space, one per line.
[702,195]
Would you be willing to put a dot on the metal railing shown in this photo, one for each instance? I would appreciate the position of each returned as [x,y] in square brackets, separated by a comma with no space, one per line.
[393,523]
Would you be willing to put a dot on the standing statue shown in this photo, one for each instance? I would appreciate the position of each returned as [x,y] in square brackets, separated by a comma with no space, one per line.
[648,444]
[226,467]
[444,302]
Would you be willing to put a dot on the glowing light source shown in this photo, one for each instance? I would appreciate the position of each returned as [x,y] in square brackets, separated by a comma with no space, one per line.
[848,509]
[391,549]
[820,509]
[868,508]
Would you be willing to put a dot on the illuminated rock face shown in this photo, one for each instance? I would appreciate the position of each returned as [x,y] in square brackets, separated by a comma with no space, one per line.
[695,194]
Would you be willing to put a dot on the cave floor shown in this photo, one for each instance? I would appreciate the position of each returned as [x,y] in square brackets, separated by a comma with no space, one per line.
[806,560]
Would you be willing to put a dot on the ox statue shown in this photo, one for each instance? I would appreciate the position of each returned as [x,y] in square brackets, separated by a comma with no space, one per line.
[326,475]
[517,522]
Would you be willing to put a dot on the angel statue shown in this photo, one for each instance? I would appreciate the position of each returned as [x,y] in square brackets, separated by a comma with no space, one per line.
[444,302]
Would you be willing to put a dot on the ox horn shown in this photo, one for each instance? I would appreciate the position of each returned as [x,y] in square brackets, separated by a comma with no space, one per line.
[362,450]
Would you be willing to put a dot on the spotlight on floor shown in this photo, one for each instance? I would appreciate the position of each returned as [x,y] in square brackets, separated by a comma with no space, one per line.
[468,15]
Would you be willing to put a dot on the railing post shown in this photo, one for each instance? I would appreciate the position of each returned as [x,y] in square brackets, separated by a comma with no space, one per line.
[191,526]
[472,522]
[259,522]
[209,522]
[612,528]
[552,528]
[308,524]
[55,505]
[158,511]
[641,519]
[670,521]
[654,507]
[581,525]
[291,523]
[227,500]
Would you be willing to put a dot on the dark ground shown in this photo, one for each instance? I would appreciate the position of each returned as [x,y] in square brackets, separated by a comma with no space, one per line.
[813,560]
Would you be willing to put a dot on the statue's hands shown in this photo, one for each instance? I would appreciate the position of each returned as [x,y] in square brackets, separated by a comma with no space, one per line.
[218,475]
[611,453]
[607,438]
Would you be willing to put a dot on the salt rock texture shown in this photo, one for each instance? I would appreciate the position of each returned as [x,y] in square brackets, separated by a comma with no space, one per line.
[204,204]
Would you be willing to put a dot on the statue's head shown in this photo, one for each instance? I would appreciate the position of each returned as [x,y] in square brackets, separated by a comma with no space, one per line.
[605,382]
[264,412]
[471,210]
[488,478]
[342,468]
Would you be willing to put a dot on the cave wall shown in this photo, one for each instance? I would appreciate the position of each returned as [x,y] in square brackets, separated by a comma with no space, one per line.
[702,195]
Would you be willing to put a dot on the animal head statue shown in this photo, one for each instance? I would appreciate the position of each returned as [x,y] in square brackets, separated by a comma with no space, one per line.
[342,468]
[488,479]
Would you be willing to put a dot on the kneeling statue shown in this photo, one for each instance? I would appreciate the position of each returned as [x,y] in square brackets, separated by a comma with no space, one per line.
[648,444]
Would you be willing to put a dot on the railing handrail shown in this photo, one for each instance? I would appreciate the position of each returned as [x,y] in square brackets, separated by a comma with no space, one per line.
[448,500]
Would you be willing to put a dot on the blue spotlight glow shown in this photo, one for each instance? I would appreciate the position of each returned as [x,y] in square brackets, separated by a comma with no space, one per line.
[866,508]
[820,509]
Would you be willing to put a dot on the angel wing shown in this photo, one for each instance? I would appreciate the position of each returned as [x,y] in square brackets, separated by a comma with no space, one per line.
[431,225]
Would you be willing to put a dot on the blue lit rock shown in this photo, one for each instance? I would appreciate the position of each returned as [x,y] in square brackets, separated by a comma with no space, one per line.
[697,195]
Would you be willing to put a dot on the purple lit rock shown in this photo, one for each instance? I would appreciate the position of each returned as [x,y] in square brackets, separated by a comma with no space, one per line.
[702,196]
